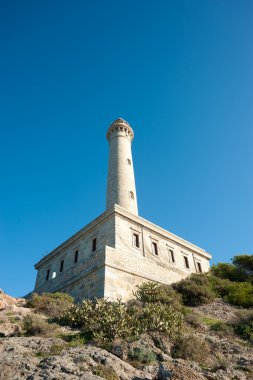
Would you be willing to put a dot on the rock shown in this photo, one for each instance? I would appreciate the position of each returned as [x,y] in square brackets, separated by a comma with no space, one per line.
[118,351]
[164,373]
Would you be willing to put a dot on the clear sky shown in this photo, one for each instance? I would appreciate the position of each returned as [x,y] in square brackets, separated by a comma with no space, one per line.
[180,72]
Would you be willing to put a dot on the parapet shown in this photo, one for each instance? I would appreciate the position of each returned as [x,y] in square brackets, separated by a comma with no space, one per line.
[120,125]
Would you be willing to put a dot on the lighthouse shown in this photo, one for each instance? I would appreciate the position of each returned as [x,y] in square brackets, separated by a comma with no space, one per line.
[120,181]
[118,250]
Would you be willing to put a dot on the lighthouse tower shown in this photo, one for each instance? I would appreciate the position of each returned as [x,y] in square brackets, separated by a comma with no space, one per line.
[120,182]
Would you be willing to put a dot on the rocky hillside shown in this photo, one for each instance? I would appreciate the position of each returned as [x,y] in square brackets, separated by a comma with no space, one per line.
[208,350]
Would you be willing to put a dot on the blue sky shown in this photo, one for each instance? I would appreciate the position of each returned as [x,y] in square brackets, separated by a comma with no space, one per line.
[180,72]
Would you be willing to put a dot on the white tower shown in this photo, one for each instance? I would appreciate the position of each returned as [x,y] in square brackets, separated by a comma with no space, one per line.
[120,181]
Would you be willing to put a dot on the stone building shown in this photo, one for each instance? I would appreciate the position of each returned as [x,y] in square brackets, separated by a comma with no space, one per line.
[119,249]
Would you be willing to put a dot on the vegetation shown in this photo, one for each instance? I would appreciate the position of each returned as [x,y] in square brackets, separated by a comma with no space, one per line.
[243,325]
[74,340]
[241,269]
[157,308]
[106,320]
[105,372]
[222,329]
[51,304]
[191,348]
[195,290]
[142,355]
[234,282]
[149,292]
[55,349]
[34,324]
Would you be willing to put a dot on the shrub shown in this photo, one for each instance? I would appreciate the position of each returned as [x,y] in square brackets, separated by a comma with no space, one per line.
[55,349]
[192,348]
[151,292]
[195,290]
[107,320]
[35,325]
[220,362]
[240,294]
[222,329]
[228,272]
[245,264]
[51,304]
[159,317]
[170,297]
[148,292]
[220,286]
[75,340]
[105,372]
[141,355]
[192,319]
[240,270]
[243,324]
[102,319]
[236,293]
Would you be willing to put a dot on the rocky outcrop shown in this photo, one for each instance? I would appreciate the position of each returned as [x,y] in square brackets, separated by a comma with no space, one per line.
[6,300]
[53,358]
[218,309]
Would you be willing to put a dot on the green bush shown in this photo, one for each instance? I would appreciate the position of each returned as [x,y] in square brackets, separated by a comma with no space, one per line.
[228,272]
[151,292]
[34,324]
[236,293]
[240,294]
[241,269]
[195,290]
[159,317]
[107,320]
[148,292]
[141,355]
[220,286]
[102,319]
[243,325]
[170,297]
[222,329]
[191,348]
[51,304]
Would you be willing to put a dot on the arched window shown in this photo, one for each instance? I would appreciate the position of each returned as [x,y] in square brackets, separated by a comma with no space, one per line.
[129,161]
[131,195]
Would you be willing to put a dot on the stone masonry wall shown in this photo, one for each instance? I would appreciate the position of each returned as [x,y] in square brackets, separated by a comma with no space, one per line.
[116,266]
[128,266]
[85,278]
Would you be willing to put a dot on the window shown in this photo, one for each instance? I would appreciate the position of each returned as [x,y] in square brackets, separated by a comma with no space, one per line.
[94,244]
[62,265]
[154,248]
[48,273]
[131,195]
[128,161]
[172,257]
[186,261]
[136,241]
[76,256]
[199,267]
